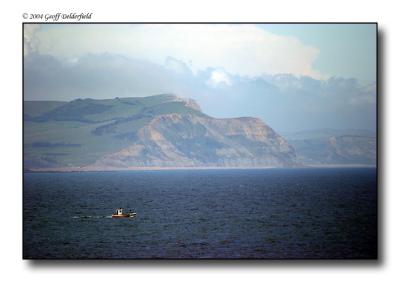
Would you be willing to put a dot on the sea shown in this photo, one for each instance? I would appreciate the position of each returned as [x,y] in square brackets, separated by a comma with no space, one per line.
[299,213]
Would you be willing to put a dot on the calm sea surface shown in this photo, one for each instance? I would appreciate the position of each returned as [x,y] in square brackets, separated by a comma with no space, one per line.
[259,213]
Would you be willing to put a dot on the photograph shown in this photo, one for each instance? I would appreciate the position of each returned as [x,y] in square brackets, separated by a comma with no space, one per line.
[199,140]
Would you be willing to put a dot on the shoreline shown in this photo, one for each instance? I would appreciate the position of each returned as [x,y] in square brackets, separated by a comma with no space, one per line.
[104,169]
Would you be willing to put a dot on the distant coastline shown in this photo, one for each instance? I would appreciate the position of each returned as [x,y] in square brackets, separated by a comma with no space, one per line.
[157,168]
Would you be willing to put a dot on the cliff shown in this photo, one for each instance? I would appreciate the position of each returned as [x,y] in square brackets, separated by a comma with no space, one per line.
[155,131]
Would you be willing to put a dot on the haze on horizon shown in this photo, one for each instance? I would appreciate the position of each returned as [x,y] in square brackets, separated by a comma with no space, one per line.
[294,77]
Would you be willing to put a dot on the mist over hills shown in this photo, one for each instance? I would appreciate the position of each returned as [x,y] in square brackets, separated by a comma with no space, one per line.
[170,131]
[334,147]
[155,131]
[285,101]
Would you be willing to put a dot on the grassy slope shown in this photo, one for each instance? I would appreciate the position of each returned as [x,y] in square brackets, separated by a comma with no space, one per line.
[37,108]
[69,128]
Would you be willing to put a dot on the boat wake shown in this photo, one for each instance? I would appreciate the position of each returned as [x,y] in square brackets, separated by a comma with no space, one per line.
[91,216]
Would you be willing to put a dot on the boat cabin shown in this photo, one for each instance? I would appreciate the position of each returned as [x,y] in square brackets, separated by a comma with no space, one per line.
[118,211]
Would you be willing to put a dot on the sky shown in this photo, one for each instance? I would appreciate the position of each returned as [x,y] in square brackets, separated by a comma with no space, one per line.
[346,50]
[293,76]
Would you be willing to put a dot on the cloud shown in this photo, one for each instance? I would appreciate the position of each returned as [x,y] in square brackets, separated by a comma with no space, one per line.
[231,70]
[31,41]
[246,50]
[285,102]
[177,66]
[219,78]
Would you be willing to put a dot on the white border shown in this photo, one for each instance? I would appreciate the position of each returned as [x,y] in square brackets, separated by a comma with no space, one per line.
[13,268]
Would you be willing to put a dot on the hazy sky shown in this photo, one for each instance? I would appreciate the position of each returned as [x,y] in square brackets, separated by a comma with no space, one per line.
[294,77]
[345,50]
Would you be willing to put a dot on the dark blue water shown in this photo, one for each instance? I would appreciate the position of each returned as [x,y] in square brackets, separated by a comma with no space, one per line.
[271,213]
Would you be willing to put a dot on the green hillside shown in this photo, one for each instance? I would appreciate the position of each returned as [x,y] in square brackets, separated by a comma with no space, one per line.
[79,132]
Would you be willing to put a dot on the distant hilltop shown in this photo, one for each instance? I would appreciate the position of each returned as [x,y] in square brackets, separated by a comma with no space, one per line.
[143,132]
[327,147]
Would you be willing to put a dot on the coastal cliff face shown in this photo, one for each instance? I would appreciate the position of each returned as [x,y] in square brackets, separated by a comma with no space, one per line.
[155,131]
[334,147]
[190,140]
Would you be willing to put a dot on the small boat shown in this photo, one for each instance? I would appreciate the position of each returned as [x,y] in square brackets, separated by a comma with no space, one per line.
[119,214]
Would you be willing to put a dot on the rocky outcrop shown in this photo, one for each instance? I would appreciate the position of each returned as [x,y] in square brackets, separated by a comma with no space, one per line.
[329,147]
[154,131]
[190,140]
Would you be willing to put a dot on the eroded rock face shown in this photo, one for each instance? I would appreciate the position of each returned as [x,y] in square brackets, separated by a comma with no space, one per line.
[190,140]
[154,131]
[335,147]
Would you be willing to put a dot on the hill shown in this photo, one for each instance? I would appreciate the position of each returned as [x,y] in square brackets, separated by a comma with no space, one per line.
[334,147]
[155,131]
